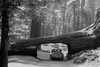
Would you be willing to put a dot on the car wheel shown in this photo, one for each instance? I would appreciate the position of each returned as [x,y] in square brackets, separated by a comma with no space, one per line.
[61,58]
[51,57]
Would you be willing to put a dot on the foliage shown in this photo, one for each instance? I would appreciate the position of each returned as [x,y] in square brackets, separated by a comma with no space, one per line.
[56,17]
[19,26]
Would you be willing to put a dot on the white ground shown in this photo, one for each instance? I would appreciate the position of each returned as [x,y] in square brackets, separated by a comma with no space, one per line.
[27,61]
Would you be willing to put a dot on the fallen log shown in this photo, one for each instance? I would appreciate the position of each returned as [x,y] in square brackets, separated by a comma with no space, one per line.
[87,38]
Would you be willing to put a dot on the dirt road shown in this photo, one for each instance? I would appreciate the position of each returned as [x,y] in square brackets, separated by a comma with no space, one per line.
[27,61]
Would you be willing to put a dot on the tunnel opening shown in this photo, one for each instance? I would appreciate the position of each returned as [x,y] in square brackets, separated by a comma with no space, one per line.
[45,50]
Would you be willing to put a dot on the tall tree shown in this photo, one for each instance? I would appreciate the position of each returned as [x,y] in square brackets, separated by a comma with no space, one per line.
[35,28]
[7,7]
[36,21]
[64,16]
[92,10]
[90,6]
[74,22]
[4,35]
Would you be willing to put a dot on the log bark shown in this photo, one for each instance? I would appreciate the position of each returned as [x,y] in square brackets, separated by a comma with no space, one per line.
[87,38]
[75,41]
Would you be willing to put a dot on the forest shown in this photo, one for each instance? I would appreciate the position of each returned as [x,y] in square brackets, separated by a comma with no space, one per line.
[25,23]
[51,18]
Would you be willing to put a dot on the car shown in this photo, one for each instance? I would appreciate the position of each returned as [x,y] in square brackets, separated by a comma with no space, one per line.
[56,54]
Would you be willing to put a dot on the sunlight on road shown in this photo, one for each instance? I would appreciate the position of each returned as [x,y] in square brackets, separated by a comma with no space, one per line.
[22,65]
[28,61]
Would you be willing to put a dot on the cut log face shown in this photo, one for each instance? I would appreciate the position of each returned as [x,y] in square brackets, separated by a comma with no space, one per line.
[87,38]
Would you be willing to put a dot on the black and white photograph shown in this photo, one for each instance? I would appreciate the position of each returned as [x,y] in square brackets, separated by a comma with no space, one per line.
[49,33]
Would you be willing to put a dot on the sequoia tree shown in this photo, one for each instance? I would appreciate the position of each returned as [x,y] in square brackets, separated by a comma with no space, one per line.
[7,7]
[4,35]
[36,20]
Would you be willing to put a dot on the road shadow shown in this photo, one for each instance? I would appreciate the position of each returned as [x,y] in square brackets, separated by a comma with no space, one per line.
[23,59]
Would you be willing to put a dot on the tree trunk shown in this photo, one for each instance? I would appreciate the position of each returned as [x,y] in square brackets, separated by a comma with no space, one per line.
[4,36]
[35,28]
[74,19]
[90,6]
[64,17]
[92,10]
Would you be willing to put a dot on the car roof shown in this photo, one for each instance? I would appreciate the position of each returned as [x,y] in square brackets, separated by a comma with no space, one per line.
[56,49]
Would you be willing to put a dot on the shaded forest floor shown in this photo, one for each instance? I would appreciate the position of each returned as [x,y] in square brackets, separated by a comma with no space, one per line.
[88,57]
